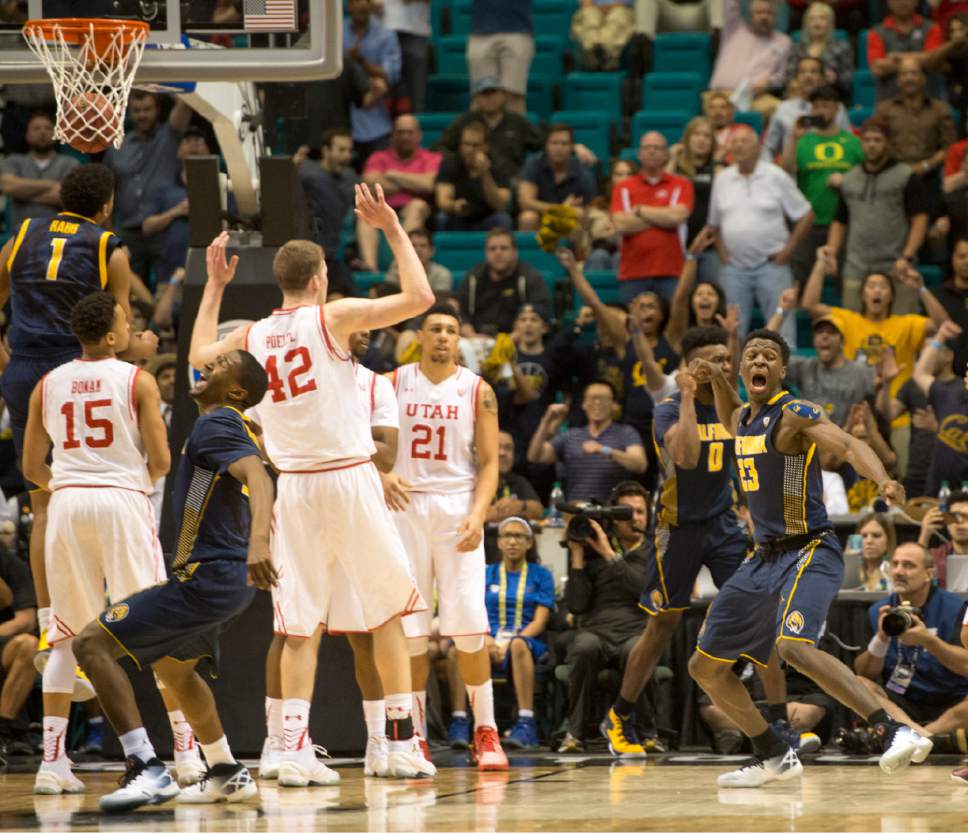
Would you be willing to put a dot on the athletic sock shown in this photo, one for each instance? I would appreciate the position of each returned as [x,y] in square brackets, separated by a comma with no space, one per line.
[420,712]
[526,713]
[776,711]
[768,745]
[218,752]
[482,704]
[375,715]
[399,725]
[879,716]
[455,714]
[136,745]
[295,724]
[55,731]
[274,719]
[185,746]
[623,708]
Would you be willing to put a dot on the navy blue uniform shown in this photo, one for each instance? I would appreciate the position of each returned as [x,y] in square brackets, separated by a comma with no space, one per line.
[207,586]
[784,588]
[54,263]
[696,523]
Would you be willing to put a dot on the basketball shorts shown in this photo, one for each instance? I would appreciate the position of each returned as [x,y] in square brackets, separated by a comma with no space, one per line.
[183,617]
[428,529]
[19,379]
[679,552]
[101,542]
[339,558]
[786,596]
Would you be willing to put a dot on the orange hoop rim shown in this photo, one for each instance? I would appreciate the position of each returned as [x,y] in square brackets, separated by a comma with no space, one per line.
[77,30]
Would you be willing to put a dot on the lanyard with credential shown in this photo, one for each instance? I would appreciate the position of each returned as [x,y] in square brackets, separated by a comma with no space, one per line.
[502,604]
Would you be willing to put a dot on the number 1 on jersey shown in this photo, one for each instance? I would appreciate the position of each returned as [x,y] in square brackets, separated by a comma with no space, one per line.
[56,255]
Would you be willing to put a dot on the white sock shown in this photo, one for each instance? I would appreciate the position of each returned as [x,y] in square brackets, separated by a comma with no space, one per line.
[295,724]
[458,714]
[136,744]
[218,752]
[420,713]
[55,732]
[482,704]
[185,746]
[526,713]
[274,718]
[375,715]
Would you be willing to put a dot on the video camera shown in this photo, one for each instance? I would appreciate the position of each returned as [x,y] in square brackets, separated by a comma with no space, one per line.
[579,529]
[899,619]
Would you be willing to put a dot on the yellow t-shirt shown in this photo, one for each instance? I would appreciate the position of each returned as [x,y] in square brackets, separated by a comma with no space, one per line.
[905,333]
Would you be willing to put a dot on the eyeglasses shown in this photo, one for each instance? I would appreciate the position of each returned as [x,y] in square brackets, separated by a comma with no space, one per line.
[591,399]
[959,517]
[515,536]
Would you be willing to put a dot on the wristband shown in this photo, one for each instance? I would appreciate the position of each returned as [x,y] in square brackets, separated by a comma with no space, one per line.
[780,311]
[606,450]
[877,647]
[923,290]
[690,256]
[937,345]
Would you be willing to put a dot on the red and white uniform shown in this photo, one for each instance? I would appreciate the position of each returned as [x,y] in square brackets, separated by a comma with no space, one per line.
[435,453]
[332,532]
[100,522]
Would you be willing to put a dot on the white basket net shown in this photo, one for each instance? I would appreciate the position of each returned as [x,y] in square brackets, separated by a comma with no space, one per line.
[92,70]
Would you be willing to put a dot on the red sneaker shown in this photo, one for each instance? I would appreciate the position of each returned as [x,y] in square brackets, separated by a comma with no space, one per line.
[486,749]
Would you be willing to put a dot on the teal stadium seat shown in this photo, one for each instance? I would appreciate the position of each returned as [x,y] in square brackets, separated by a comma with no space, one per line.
[865,86]
[839,34]
[460,18]
[448,93]
[529,252]
[683,52]
[433,124]
[437,15]
[670,123]
[594,91]
[932,275]
[750,117]
[591,129]
[861,56]
[672,91]
[459,250]
[541,95]
[548,55]
[605,284]
[365,280]
[451,55]
[553,17]
[858,115]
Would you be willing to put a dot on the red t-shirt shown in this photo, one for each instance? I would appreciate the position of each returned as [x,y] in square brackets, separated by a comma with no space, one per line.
[956,155]
[875,44]
[655,252]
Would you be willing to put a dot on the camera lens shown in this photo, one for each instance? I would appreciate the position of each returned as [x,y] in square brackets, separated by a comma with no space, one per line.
[896,622]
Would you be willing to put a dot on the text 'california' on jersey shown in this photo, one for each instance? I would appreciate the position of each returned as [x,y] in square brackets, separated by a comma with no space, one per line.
[91,416]
[435,450]
[53,264]
[690,495]
[312,416]
[784,491]
[212,507]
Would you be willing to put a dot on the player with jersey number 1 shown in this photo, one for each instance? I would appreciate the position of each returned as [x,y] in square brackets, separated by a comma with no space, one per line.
[447,456]
[332,533]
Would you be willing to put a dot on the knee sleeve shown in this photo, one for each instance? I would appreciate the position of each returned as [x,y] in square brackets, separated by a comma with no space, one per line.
[59,671]
[417,646]
[469,644]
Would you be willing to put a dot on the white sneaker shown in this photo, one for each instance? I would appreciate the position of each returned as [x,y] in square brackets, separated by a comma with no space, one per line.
[304,769]
[57,778]
[223,782]
[756,773]
[906,746]
[269,761]
[377,753]
[190,770]
[143,783]
[406,760]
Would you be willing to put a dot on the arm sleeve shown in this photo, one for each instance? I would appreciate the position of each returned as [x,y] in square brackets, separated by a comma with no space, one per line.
[795,205]
[915,196]
[391,60]
[843,212]
[545,591]
[934,38]
[447,171]
[621,199]
[952,162]
[684,194]
[579,590]
[666,415]
[589,188]
[875,46]
[221,440]
[630,437]
[529,170]
[558,443]
[386,414]
[630,570]
[713,217]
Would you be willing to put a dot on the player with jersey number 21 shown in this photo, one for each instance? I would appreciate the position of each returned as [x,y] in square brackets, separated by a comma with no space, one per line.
[333,534]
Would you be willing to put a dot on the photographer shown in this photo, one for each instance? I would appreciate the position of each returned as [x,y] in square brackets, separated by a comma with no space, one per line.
[916,652]
[933,527]
[605,578]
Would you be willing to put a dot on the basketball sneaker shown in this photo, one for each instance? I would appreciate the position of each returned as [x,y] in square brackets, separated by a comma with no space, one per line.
[800,741]
[56,778]
[304,769]
[142,783]
[901,745]
[223,782]
[523,734]
[190,770]
[757,772]
[269,760]
[375,757]
[569,743]
[960,775]
[623,742]
[459,733]
[486,750]
[406,760]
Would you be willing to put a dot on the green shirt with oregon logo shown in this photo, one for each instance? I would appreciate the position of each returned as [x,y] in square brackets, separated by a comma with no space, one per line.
[817,158]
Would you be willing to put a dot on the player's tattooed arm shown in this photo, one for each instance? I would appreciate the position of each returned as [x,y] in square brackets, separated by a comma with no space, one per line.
[471,529]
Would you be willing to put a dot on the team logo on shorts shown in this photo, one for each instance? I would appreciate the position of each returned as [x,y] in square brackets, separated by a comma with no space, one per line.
[116,613]
[657,600]
[794,622]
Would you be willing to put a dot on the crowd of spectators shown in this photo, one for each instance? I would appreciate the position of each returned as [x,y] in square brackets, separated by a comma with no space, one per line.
[783,203]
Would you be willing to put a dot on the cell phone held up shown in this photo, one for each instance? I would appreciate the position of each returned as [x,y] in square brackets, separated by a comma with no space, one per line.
[809,121]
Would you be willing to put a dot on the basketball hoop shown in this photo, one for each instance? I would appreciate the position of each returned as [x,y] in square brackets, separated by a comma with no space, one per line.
[92,64]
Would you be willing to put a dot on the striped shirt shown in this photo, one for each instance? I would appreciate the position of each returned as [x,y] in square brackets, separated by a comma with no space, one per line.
[593,476]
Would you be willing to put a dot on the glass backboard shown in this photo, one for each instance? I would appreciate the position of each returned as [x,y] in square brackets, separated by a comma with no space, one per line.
[227,40]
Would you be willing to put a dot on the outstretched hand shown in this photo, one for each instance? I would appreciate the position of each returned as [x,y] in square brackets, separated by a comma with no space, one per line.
[373,210]
[220,270]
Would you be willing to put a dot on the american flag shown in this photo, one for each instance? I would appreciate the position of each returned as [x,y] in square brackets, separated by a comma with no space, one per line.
[269,15]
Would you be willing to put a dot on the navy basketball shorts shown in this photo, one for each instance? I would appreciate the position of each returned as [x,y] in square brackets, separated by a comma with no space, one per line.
[677,554]
[786,596]
[183,617]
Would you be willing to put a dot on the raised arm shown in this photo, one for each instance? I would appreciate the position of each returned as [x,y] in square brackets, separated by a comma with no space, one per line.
[539,449]
[679,306]
[350,315]
[932,306]
[205,345]
[928,360]
[154,433]
[682,439]
[725,396]
[612,321]
[810,299]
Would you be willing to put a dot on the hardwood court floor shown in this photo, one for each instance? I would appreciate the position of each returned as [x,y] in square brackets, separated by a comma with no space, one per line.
[538,794]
